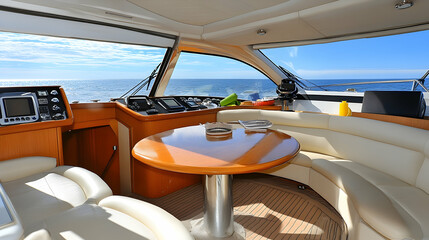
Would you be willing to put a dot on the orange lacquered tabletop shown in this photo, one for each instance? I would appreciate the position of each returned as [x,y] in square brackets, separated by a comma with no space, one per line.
[190,150]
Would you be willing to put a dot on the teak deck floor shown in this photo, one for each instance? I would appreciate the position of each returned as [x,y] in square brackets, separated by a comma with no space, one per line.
[267,207]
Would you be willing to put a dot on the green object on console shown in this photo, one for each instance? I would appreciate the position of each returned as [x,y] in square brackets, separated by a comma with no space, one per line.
[230,100]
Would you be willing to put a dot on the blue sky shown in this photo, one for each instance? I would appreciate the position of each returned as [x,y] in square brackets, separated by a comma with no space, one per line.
[391,57]
[37,57]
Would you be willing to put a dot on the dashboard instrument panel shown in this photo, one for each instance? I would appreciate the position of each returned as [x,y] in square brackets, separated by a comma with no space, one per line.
[19,105]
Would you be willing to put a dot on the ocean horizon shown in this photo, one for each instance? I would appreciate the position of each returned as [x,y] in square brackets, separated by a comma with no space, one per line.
[105,89]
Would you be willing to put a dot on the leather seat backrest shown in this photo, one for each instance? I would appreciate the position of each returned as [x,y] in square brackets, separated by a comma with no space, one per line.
[400,151]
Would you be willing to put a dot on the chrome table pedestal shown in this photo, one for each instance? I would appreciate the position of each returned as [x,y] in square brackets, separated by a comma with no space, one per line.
[218,205]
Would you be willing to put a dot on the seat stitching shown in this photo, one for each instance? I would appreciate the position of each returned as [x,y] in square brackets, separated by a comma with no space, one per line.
[49,186]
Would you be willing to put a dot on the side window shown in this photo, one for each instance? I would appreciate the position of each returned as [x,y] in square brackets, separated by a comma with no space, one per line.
[86,69]
[208,75]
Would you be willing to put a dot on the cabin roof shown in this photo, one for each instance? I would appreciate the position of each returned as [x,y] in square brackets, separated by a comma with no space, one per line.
[286,22]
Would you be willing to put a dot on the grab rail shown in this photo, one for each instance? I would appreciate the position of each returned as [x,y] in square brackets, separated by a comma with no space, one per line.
[415,83]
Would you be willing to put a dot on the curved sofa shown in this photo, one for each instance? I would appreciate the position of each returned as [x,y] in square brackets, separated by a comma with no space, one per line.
[376,174]
[73,203]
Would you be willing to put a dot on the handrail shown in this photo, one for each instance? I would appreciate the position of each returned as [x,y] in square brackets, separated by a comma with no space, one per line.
[414,81]
[421,82]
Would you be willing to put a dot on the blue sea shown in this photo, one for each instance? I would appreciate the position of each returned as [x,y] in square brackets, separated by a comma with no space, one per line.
[103,90]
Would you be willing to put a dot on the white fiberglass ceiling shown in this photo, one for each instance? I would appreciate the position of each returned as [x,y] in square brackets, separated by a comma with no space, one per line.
[236,22]
[203,12]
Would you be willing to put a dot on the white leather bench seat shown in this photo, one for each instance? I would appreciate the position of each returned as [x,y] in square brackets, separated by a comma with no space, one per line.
[73,203]
[115,217]
[90,221]
[374,173]
[51,191]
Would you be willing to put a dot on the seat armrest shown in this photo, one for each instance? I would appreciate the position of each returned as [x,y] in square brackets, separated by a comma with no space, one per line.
[94,187]
[161,223]
[41,234]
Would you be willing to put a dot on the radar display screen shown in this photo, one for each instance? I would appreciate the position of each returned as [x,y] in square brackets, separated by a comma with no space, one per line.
[15,107]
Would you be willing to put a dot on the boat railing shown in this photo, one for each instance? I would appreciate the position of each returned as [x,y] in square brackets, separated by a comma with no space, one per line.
[415,83]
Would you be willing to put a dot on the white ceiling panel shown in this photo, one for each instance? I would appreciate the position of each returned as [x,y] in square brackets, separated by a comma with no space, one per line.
[235,22]
[202,12]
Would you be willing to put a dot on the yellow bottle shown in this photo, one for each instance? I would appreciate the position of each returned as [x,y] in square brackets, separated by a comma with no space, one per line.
[344,109]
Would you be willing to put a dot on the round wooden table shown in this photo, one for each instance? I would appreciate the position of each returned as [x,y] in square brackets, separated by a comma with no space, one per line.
[190,150]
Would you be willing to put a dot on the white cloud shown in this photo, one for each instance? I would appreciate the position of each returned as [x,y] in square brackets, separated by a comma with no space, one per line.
[40,49]
[293,52]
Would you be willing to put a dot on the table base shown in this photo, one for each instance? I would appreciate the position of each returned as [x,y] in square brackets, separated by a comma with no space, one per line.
[218,205]
[198,230]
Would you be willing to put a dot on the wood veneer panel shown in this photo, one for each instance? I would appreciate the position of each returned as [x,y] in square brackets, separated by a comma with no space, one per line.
[91,149]
[60,159]
[87,115]
[32,143]
[154,183]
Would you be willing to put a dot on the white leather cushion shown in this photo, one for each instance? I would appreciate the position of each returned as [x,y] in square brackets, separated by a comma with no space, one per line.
[42,195]
[298,168]
[234,115]
[161,223]
[412,200]
[400,162]
[423,177]
[305,158]
[374,207]
[385,132]
[407,197]
[291,171]
[296,119]
[310,139]
[45,194]
[94,187]
[41,234]
[371,175]
[301,159]
[90,221]
[23,167]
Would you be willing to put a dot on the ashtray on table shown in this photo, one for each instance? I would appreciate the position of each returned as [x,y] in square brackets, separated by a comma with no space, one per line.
[218,129]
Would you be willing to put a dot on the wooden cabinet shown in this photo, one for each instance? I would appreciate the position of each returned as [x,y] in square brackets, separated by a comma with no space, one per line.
[44,142]
[92,148]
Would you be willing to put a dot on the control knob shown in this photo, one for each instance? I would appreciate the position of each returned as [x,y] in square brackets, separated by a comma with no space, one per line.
[55,100]
[58,116]
[54,92]
[56,108]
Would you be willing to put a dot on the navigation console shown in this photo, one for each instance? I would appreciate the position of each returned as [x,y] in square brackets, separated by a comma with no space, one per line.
[31,104]
[158,105]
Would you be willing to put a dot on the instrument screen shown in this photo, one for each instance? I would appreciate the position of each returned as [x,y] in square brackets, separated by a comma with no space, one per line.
[18,106]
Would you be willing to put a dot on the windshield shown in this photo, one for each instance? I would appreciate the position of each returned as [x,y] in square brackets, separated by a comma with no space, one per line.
[396,57]
[208,75]
[87,70]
